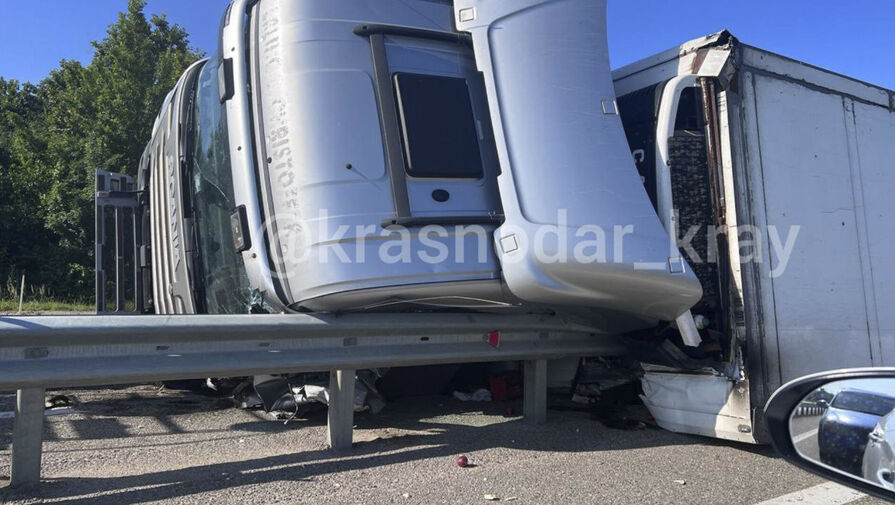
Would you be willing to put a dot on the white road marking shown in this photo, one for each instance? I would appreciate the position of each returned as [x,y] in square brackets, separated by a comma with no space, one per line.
[805,436]
[53,412]
[827,493]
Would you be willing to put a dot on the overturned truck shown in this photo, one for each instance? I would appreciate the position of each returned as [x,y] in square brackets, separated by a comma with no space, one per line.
[472,156]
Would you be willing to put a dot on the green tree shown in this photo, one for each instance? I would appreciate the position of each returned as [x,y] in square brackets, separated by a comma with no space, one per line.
[22,233]
[79,119]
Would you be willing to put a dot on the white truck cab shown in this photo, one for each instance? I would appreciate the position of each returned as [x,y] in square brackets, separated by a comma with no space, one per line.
[358,156]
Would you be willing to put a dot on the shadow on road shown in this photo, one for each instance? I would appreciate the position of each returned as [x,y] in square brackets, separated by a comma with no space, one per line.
[425,428]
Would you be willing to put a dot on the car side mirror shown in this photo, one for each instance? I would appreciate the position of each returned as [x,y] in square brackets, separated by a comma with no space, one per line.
[839,425]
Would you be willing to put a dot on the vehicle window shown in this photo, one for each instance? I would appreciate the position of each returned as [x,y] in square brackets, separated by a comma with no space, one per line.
[226,285]
[867,403]
[438,127]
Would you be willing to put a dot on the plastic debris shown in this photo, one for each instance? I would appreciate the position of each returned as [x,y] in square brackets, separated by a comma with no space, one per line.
[491,497]
[506,386]
[289,396]
[480,395]
[59,401]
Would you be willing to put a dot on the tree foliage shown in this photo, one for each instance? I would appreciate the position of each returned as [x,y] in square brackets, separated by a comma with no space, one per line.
[54,135]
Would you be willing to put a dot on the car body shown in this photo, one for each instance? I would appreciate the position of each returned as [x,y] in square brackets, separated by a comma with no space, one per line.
[845,427]
[879,456]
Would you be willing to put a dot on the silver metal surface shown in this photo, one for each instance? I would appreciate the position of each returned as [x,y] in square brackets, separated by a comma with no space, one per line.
[535,391]
[41,352]
[340,415]
[27,437]
[242,151]
[334,177]
[565,167]
[170,244]
[96,350]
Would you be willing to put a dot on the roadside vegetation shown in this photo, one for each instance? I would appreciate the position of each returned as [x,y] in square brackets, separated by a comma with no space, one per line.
[40,306]
[55,133]
[36,299]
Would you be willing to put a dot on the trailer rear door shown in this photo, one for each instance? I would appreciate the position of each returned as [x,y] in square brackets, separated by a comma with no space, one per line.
[823,164]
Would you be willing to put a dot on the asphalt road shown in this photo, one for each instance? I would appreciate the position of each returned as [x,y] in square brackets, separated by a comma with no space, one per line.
[804,433]
[137,445]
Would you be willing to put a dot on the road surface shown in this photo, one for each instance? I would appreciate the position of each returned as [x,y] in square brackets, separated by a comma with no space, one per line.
[138,445]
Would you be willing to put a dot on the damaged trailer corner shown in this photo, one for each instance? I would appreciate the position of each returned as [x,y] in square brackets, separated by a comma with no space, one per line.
[777,170]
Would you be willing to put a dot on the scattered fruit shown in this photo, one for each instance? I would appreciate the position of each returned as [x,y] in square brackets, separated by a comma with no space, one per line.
[462,461]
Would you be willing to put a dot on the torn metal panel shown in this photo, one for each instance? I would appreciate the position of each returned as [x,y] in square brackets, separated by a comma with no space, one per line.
[699,404]
[676,54]
[707,57]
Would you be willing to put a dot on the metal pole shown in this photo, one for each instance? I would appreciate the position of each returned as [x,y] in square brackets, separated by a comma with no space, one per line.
[119,259]
[535,391]
[340,419]
[22,294]
[138,273]
[98,258]
[27,437]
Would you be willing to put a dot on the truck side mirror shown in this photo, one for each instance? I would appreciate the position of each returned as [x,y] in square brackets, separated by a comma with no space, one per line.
[839,425]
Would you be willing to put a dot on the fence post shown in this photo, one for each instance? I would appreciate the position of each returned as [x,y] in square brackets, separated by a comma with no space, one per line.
[340,417]
[27,437]
[22,294]
[534,401]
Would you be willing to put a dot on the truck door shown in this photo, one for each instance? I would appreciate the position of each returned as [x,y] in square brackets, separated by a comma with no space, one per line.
[566,172]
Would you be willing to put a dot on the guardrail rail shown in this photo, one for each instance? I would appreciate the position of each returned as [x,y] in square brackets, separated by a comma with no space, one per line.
[37,353]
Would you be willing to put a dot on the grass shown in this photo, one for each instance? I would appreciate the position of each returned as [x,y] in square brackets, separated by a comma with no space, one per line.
[37,299]
[45,305]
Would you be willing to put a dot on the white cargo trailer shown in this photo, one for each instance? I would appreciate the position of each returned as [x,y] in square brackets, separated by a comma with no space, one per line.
[791,170]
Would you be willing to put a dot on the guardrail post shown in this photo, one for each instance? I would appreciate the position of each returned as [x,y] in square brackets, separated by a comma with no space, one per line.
[27,437]
[534,399]
[340,418]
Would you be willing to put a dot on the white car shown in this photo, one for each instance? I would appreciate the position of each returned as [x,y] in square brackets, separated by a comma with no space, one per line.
[879,456]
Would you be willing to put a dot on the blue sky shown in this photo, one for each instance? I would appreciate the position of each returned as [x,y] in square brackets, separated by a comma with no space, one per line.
[855,38]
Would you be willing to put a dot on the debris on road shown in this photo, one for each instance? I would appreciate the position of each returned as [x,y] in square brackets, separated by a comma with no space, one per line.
[491,497]
[59,401]
[506,386]
[479,395]
[287,397]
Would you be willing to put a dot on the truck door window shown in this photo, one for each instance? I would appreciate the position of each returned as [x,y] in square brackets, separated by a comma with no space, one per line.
[438,127]
[225,283]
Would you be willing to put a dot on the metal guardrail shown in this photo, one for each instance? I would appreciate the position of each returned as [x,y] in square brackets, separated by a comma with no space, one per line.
[810,410]
[37,353]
